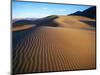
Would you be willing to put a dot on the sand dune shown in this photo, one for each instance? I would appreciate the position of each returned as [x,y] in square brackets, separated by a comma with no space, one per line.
[18,28]
[44,49]
[81,18]
[68,45]
[73,21]
[58,21]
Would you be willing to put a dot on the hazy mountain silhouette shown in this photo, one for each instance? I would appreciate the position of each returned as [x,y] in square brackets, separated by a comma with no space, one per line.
[22,22]
[90,12]
[46,21]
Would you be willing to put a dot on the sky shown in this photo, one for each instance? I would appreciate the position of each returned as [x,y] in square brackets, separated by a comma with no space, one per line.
[39,10]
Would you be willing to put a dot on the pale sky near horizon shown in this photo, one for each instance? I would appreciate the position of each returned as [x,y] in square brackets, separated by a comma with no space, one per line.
[38,10]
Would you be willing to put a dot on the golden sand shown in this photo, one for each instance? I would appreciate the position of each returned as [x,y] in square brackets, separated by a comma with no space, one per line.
[18,28]
[60,48]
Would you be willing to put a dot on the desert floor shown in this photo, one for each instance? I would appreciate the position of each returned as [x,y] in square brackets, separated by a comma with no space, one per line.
[70,46]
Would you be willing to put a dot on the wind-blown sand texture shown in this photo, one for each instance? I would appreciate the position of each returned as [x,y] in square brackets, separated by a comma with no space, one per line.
[47,49]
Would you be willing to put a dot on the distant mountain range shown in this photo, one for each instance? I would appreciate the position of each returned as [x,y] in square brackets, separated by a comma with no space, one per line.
[39,22]
[24,21]
[90,12]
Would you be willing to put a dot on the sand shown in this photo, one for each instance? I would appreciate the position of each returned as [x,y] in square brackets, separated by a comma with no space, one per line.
[18,28]
[47,49]
[73,21]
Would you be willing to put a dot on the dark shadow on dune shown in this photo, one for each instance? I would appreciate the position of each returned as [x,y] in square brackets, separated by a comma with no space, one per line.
[17,36]
[46,21]
[91,23]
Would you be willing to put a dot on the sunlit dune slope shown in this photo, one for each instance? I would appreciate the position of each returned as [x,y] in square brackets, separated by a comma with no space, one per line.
[81,18]
[22,27]
[47,49]
[73,21]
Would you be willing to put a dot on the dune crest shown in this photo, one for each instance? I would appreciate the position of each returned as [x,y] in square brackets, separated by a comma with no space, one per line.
[73,21]
[24,27]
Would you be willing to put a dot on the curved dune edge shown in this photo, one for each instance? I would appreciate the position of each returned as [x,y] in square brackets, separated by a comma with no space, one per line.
[24,27]
[48,49]
[73,21]
[82,18]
